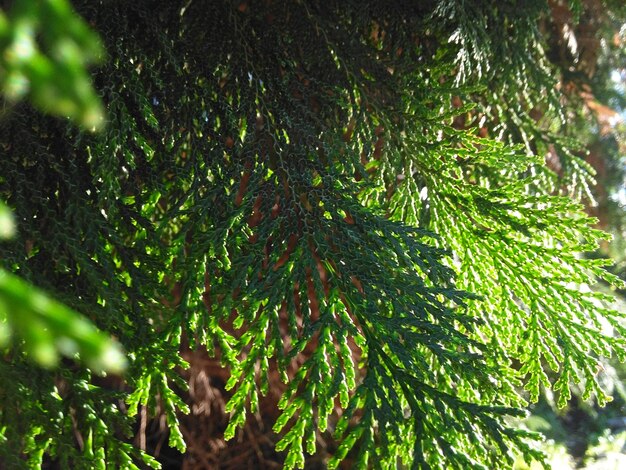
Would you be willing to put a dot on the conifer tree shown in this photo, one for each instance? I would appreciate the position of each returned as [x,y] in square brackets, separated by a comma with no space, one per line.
[343,210]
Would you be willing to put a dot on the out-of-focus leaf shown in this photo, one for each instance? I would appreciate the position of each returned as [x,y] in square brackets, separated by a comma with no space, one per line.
[44,51]
[7,225]
[48,328]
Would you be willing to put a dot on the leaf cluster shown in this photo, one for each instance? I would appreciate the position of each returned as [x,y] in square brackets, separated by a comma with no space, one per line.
[301,189]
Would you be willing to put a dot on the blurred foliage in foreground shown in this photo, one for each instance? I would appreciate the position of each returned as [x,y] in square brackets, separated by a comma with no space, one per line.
[44,48]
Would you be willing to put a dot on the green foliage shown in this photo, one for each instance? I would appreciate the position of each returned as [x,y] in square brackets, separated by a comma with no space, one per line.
[58,84]
[7,224]
[45,47]
[290,187]
[63,415]
[46,327]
